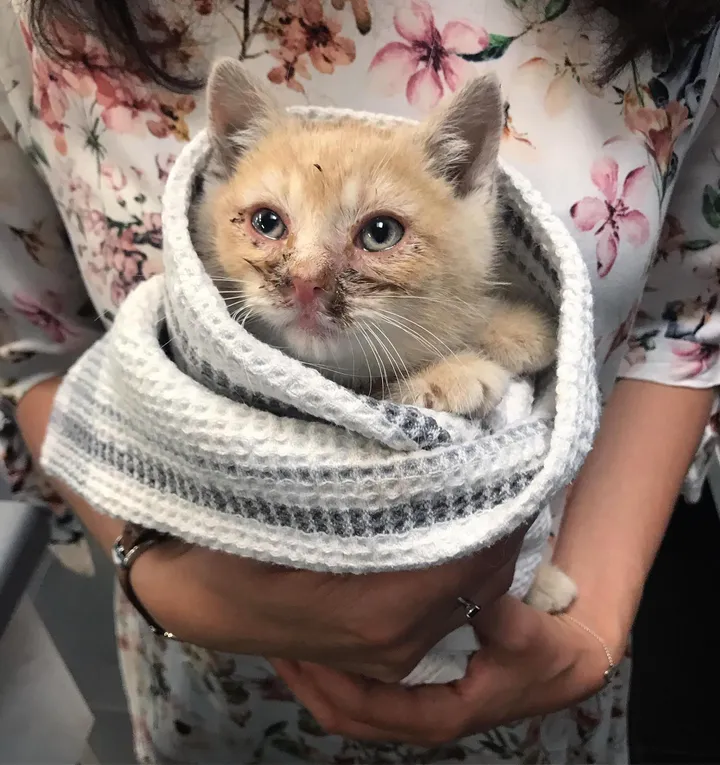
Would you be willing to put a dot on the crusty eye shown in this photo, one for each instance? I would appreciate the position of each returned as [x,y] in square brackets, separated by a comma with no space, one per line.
[381,233]
[268,223]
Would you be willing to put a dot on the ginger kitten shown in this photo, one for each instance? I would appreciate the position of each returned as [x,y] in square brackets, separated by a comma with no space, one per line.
[369,251]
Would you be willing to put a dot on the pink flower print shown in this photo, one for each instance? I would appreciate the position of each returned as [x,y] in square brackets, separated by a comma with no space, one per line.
[80,191]
[51,82]
[164,163]
[672,238]
[567,63]
[125,102]
[114,176]
[290,68]
[115,245]
[428,60]
[321,38]
[171,118]
[44,315]
[126,263]
[660,128]
[50,98]
[692,359]
[130,271]
[149,231]
[622,333]
[95,222]
[613,217]
[301,28]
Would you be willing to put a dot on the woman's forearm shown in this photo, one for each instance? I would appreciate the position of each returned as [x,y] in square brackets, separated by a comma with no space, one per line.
[623,498]
[228,603]
[33,414]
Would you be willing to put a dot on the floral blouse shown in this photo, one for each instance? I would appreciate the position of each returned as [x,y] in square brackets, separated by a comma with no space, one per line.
[632,169]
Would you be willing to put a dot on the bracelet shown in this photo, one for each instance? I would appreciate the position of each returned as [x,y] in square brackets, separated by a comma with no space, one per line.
[134,541]
[610,671]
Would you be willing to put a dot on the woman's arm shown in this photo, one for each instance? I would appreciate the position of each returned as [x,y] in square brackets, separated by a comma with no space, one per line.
[32,415]
[378,625]
[533,663]
[622,501]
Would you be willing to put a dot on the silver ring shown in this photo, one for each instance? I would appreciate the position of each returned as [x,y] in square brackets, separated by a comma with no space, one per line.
[471,609]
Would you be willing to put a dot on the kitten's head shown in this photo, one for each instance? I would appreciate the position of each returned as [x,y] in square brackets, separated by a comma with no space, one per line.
[355,247]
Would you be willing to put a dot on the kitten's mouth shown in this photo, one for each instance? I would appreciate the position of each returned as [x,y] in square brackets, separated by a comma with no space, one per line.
[310,321]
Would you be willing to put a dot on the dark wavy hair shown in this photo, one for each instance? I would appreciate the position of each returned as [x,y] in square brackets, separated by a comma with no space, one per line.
[635,28]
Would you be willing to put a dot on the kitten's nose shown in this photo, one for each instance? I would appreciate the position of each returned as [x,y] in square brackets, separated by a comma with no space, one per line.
[306,291]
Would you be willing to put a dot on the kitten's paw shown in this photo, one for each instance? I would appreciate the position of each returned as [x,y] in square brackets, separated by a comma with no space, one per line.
[552,591]
[464,384]
[521,337]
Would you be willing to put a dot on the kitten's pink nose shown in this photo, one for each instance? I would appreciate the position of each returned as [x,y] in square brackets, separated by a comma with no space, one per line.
[306,291]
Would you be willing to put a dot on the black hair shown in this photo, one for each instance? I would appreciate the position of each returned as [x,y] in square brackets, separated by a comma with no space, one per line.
[636,27]
[651,26]
[121,27]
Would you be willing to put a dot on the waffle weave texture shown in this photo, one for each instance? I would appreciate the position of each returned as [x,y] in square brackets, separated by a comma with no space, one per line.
[179,419]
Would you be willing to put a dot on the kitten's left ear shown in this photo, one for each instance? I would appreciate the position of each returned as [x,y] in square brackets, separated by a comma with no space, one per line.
[462,140]
[240,111]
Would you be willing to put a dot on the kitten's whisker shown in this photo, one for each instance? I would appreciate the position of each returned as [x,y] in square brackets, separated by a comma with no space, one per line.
[388,353]
[446,300]
[434,351]
[424,329]
[421,327]
[381,364]
[234,306]
[216,279]
[372,349]
[236,301]
[393,350]
[325,368]
[246,317]
[241,315]
[169,340]
[369,369]
[352,356]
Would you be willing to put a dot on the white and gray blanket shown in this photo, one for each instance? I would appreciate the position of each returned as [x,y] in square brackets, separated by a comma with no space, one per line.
[179,419]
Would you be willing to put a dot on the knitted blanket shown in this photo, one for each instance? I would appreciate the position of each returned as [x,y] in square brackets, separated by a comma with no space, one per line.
[181,420]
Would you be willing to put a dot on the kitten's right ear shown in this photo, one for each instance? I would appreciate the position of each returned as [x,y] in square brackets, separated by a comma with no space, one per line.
[462,139]
[240,111]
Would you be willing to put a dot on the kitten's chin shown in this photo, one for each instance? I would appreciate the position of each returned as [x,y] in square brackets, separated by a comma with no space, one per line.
[319,342]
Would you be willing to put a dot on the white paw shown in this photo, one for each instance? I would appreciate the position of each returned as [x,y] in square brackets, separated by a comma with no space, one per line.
[475,386]
[552,591]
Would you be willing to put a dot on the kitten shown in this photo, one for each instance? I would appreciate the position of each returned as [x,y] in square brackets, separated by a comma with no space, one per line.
[368,251]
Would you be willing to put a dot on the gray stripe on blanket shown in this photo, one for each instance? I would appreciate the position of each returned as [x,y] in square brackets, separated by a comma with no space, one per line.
[227,465]
[419,427]
[161,476]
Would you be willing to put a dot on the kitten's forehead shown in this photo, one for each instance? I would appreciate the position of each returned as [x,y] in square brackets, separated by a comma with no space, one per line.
[344,170]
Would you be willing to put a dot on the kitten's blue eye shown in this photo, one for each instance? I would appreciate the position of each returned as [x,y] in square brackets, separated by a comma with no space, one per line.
[381,233]
[268,223]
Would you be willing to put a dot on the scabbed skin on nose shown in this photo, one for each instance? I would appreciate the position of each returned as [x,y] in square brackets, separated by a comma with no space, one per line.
[306,291]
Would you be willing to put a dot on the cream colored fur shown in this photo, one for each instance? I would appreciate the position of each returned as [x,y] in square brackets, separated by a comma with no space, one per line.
[423,323]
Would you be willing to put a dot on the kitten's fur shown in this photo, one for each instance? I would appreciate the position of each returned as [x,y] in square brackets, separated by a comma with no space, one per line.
[421,323]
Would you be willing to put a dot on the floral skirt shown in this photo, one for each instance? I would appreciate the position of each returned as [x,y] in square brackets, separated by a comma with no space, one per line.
[189,705]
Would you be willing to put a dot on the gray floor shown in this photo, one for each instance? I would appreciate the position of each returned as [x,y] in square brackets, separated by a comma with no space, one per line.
[77,611]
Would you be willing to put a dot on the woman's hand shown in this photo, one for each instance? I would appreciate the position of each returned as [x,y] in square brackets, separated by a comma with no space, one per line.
[531,663]
[379,625]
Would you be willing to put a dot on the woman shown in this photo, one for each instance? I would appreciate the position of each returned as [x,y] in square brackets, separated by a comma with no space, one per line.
[615,123]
